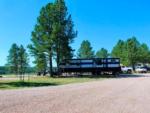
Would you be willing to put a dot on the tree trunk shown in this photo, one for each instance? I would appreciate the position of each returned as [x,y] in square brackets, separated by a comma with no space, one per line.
[58,54]
[133,66]
[58,58]
[51,65]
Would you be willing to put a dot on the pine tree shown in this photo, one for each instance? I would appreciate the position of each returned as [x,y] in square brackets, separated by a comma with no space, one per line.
[42,38]
[53,33]
[12,59]
[85,51]
[132,51]
[22,60]
[144,53]
[120,51]
[102,53]
[63,32]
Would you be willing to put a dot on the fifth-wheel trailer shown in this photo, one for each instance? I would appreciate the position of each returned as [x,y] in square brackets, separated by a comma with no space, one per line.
[96,66]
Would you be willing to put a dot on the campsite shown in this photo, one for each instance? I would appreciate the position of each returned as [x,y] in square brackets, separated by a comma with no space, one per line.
[73,56]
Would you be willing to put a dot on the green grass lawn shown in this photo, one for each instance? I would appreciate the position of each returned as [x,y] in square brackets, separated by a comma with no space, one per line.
[41,81]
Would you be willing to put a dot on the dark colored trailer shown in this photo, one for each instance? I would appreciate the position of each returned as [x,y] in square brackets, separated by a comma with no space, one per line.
[95,66]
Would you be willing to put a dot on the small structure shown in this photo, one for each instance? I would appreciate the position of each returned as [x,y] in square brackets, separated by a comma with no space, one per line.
[96,66]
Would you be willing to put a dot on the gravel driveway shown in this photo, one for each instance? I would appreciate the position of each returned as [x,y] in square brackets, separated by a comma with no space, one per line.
[121,95]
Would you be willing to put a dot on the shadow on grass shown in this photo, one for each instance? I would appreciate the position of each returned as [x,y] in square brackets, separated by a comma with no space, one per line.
[89,76]
[24,84]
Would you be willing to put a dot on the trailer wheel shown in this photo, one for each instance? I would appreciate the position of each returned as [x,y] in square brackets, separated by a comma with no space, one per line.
[116,74]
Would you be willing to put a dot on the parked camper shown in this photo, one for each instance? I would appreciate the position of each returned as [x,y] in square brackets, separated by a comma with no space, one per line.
[95,66]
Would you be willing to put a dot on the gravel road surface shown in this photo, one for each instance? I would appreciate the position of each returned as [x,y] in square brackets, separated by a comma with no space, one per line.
[118,95]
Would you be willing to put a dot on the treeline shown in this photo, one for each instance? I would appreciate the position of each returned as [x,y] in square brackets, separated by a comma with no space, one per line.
[130,51]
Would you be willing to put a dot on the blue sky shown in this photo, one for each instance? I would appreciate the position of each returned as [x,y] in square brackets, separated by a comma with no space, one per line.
[102,22]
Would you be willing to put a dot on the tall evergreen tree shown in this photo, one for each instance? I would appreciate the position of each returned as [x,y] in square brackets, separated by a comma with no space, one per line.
[144,53]
[42,39]
[12,59]
[132,51]
[22,60]
[63,32]
[102,53]
[120,51]
[53,32]
[85,51]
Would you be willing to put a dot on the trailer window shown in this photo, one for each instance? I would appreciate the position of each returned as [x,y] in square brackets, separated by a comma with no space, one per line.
[98,61]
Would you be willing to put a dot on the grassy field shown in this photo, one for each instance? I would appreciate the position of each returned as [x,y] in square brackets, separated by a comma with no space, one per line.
[15,83]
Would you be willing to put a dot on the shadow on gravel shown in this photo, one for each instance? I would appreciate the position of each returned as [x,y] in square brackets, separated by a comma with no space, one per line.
[131,76]
[24,84]
[118,76]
